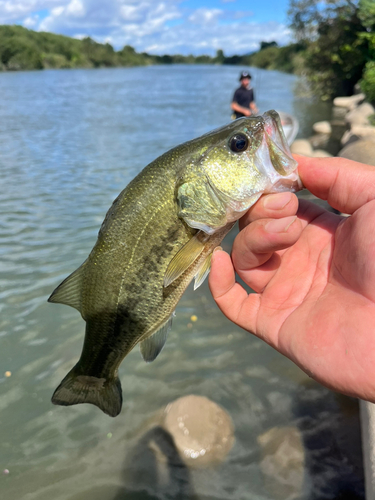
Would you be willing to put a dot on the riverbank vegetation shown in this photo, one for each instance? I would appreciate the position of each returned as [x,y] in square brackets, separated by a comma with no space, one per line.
[334,48]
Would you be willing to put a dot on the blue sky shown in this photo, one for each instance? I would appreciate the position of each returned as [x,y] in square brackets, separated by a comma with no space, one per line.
[158,27]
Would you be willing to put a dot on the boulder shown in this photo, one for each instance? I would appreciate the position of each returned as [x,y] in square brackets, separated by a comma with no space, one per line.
[283,462]
[364,132]
[338,128]
[322,127]
[301,147]
[358,132]
[338,113]
[350,102]
[362,150]
[202,431]
[359,115]
[348,137]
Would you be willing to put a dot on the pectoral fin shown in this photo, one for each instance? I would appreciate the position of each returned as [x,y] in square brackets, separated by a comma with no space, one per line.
[69,292]
[203,272]
[183,259]
[151,347]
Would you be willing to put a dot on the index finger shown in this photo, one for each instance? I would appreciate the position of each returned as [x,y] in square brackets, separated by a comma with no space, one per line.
[345,184]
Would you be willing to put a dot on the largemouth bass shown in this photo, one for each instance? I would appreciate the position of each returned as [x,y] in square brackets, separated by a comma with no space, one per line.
[158,235]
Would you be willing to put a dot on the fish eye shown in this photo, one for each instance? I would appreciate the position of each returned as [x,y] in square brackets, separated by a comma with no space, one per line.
[238,143]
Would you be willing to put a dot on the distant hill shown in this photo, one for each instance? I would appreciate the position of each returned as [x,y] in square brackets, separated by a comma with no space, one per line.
[23,49]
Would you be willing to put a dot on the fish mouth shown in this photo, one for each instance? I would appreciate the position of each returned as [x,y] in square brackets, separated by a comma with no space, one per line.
[274,158]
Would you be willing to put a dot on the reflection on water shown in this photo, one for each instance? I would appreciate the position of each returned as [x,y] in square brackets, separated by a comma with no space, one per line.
[69,142]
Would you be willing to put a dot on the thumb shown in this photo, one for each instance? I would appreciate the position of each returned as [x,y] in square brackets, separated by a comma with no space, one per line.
[345,184]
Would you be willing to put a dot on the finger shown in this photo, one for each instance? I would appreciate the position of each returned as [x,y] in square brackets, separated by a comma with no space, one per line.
[230,296]
[254,250]
[255,244]
[274,206]
[345,184]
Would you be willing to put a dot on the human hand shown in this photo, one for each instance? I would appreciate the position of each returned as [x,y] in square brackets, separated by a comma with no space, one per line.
[313,273]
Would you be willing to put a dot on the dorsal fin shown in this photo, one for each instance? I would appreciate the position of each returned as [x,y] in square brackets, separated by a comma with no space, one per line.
[69,292]
[151,347]
[183,259]
[203,272]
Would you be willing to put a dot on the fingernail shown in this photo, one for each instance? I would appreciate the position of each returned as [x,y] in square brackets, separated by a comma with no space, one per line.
[277,201]
[280,225]
[217,249]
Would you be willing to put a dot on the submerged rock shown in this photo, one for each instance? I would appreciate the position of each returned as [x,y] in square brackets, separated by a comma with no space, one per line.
[283,462]
[202,431]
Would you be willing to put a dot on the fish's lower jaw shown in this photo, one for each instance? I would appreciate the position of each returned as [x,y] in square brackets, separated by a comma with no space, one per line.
[77,389]
[291,183]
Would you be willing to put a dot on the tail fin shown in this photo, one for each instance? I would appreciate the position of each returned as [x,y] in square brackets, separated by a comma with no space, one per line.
[77,388]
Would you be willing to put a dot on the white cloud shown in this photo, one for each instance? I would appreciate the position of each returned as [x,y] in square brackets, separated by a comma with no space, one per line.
[160,27]
[205,16]
[31,22]
[13,11]
[76,8]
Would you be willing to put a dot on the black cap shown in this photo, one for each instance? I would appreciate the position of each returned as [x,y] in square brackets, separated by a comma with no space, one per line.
[245,74]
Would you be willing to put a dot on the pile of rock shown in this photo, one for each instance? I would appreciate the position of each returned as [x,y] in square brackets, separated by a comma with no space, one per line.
[348,134]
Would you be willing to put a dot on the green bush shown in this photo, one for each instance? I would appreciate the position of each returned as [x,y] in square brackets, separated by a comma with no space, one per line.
[368,81]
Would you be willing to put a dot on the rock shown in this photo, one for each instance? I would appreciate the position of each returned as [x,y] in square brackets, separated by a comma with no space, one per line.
[338,128]
[350,102]
[202,431]
[320,153]
[348,138]
[283,462]
[359,115]
[325,142]
[361,150]
[338,113]
[322,127]
[364,132]
[319,141]
[301,147]
[358,132]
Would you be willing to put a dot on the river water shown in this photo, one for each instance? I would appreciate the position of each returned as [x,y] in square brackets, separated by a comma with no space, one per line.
[70,140]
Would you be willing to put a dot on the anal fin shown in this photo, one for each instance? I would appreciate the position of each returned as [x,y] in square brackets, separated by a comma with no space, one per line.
[151,347]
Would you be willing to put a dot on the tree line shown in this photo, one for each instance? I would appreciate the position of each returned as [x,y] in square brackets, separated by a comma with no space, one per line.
[24,49]
[334,48]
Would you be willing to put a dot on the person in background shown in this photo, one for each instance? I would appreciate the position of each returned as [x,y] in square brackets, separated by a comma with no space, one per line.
[313,273]
[243,102]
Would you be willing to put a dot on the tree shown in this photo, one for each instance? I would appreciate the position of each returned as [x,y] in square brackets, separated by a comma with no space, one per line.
[337,39]
[220,57]
[265,45]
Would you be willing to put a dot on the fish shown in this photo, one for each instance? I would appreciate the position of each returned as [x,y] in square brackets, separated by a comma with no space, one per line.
[159,234]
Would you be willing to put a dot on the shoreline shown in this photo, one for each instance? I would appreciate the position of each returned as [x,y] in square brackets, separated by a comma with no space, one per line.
[348,134]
